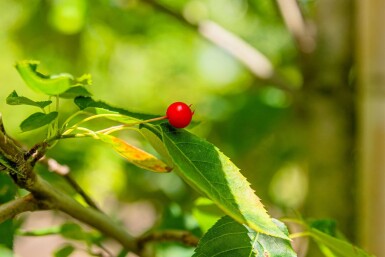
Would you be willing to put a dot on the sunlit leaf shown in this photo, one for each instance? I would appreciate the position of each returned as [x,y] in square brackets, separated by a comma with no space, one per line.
[135,155]
[50,85]
[39,232]
[74,92]
[5,252]
[15,99]
[64,251]
[208,170]
[38,120]
[228,238]
[42,83]
[87,102]
[268,246]
[336,245]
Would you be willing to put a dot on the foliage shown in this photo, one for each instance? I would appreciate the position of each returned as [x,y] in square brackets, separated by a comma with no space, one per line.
[144,55]
[229,238]
[247,231]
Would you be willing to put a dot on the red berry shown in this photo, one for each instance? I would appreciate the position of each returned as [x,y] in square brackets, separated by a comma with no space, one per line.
[179,114]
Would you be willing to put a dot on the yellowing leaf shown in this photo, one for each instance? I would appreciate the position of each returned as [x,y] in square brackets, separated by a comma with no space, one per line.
[135,155]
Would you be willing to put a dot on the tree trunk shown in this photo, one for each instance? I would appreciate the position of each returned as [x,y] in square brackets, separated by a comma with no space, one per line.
[328,108]
[371,72]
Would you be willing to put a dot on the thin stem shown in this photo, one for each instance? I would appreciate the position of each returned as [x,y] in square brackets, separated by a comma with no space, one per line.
[66,134]
[181,236]
[300,234]
[296,221]
[64,172]
[96,117]
[124,126]
[81,192]
[67,121]
[20,205]
[40,232]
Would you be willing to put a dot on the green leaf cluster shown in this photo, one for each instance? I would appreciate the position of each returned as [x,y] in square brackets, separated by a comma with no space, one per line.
[228,238]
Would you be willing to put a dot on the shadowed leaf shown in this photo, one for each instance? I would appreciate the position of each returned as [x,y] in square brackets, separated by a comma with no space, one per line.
[74,92]
[64,251]
[87,102]
[15,99]
[336,245]
[228,238]
[38,120]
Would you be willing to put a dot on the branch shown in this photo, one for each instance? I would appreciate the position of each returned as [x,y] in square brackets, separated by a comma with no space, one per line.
[255,61]
[183,237]
[15,207]
[64,171]
[55,199]
[20,165]
[295,23]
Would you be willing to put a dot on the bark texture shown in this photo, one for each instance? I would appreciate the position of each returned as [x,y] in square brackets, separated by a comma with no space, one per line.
[327,104]
[371,70]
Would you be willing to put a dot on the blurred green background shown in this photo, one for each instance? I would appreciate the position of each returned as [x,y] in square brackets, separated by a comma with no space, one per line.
[143,59]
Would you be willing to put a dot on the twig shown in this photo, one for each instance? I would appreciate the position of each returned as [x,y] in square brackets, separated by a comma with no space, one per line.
[15,207]
[255,61]
[55,199]
[295,23]
[46,196]
[64,171]
[181,236]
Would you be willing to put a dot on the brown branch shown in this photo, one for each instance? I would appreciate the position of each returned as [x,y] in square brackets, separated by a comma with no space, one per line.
[180,236]
[295,23]
[56,200]
[20,164]
[10,209]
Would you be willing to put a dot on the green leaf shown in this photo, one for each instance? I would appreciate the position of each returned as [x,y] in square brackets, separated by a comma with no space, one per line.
[135,155]
[5,252]
[15,99]
[64,251]
[73,231]
[228,238]
[8,192]
[40,232]
[37,120]
[268,246]
[87,102]
[339,246]
[209,171]
[327,226]
[74,92]
[50,85]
